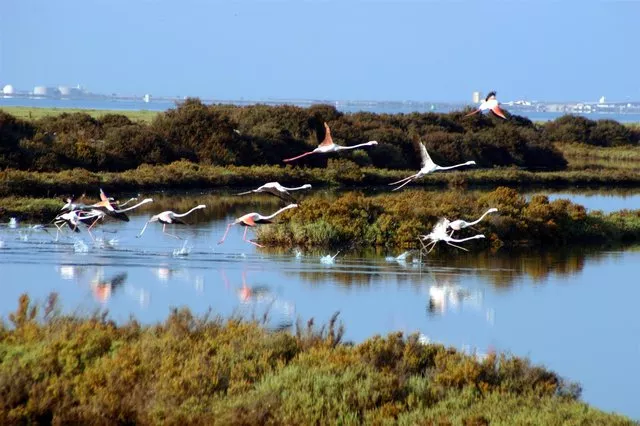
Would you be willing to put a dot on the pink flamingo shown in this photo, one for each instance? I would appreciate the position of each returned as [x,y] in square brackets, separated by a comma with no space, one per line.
[168,217]
[489,103]
[327,145]
[253,219]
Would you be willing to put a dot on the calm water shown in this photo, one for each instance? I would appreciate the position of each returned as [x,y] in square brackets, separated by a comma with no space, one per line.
[573,311]
[380,108]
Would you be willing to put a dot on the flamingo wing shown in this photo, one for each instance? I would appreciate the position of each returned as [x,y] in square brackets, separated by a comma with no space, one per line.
[248,221]
[497,111]
[426,158]
[283,195]
[328,140]
[473,112]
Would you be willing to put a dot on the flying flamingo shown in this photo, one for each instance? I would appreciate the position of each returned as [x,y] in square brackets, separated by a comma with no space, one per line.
[428,166]
[274,188]
[108,207]
[439,233]
[327,146]
[168,217]
[490,102]
[253,219]
[459,224]
[73,219]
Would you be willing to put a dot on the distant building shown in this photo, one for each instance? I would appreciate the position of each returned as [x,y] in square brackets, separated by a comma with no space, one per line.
[45,91]
[8,90]
[476,97]
[602,100]
[147,98]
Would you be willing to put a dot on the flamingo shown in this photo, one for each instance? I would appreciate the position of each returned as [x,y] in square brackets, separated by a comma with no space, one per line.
[274,188]
[169,217]
[489,103]
[459,224]
[73,219]
[428,166]
[439,233]
[71,205]
[107,207]
[327,145]
[252,219]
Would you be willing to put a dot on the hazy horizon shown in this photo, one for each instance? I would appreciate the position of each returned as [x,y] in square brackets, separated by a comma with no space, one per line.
[432,51]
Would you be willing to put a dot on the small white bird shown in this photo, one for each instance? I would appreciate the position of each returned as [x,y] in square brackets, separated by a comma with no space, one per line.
[274,188]
[428,166]
[489,103]
[327,146]
[167,218]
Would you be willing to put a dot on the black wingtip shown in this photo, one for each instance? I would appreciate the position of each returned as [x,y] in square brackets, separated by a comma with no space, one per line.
[492,93]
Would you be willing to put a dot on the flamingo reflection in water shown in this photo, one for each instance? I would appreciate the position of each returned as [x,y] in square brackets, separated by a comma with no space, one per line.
[263,304]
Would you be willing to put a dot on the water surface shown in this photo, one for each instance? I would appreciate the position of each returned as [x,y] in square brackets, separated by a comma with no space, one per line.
[574,311]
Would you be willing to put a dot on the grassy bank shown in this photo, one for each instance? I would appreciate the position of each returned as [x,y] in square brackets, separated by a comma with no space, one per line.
[33,113]
[186,175]
[59,369]
[396,220]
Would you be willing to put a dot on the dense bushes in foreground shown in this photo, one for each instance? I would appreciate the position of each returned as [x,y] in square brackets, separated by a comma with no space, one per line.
[353,219]
[226,135]
[197,370]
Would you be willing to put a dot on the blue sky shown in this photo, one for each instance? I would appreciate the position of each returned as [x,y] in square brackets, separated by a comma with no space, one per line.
[378,50]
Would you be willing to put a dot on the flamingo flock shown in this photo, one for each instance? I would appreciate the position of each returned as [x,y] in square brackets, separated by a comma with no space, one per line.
[73,214]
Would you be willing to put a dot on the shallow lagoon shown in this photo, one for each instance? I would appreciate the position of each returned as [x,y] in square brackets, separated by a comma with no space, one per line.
[571,310]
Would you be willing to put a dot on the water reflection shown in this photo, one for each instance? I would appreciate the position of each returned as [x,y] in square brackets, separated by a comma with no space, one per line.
[259,302]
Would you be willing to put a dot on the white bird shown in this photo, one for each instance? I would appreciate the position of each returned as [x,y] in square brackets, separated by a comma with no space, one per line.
[459,224]
[439,233]
[328,259]
[274,188]
[168,217]
[489,103]
[73,219]
[428,166]
[253,219]
[327,146]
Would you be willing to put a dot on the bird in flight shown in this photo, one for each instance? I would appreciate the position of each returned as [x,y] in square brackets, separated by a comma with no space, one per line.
[274,188]
[459,224]
[428,166]
[439,233]
[327,145]
[489,103]
[168,217]
[251,220]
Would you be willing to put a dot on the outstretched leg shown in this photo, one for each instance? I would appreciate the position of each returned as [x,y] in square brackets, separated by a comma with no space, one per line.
[244,238]
[398,187]
[164,226]
[453,245]
[226,232]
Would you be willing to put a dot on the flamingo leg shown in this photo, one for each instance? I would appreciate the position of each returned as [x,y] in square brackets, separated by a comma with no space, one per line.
[226,232]
[164,226]
[461,248]
[433,245]
[244,238]
[401,180]
[299,156]
[398,187]
[471,113]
